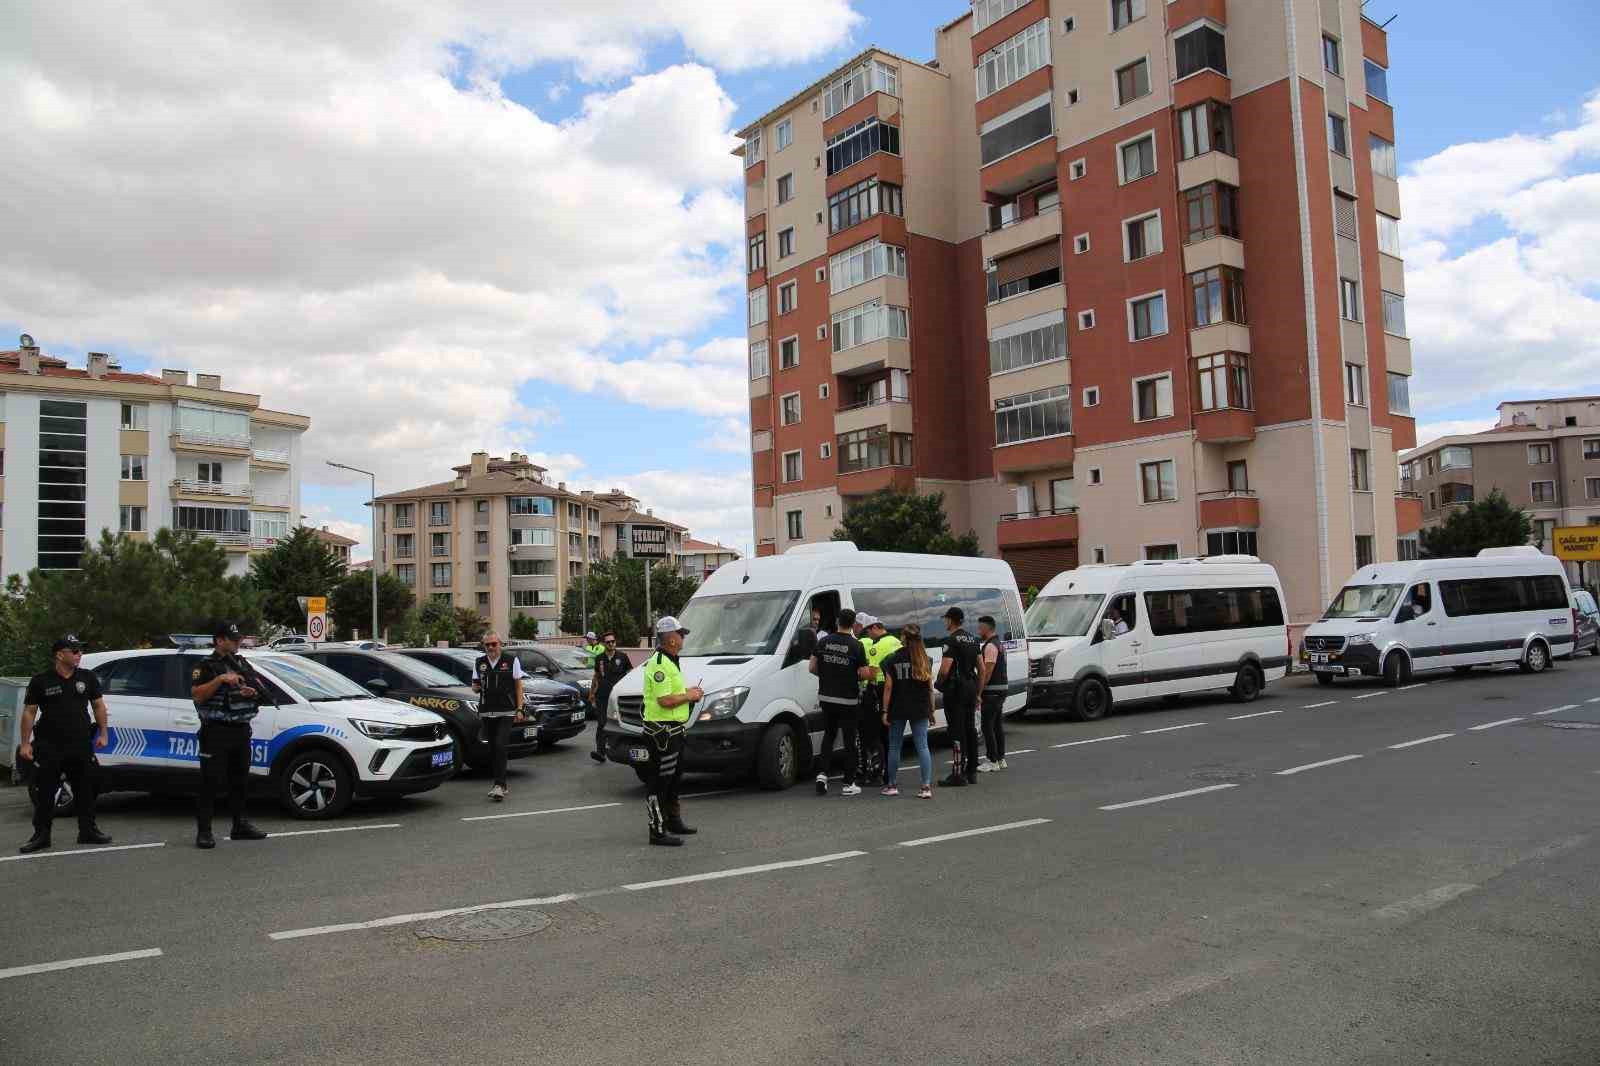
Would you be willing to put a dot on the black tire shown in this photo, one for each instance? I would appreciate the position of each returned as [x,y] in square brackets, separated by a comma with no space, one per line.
[1023,713]
[1092,701]
[66,803]
[315,784]
[1396,669]
[1248,685]
[1595,651]
[1463,670]
[1324,679]
[778,758]
[1536,660]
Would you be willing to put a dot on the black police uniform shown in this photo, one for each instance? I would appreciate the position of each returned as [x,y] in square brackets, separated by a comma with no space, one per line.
[497,706]
[612,667]
[994,703]
[839,659]
[63,745]
[960,690]
[225,739]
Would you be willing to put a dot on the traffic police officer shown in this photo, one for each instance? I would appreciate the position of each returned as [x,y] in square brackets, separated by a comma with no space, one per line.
[880,644]
[667,706]
[61,744]
[227,695]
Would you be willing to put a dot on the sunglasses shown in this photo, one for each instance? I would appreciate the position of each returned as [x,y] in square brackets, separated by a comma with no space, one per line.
[492,644]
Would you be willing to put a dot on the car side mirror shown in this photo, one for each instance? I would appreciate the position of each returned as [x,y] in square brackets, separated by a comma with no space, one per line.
[378,687]
[1108,629]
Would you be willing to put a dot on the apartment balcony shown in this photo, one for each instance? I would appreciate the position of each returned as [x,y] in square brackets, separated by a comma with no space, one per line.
[1208,167]
[1225,426]
[1213,252]
[1221,337]
[1053,528]
[885,354]
[269,458]
[1023,233]
[272,501]
[1004,312]
[235,542]
[1019,171]
[187,440]
[895,414]
[212,491]
[1403,431]
[1027,456]
[1230,508]
[866,481]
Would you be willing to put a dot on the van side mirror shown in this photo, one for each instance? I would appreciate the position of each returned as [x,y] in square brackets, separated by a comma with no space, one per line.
[1407,613]
[378,687]
[1108,628]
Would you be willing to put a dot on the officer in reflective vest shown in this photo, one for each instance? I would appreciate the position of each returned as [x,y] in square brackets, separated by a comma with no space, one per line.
[667,707]
[880,644]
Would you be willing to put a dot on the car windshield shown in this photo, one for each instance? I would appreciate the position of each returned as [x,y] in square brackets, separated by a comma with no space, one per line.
[310,680]
[1063,616]
[417,670]
[1363,601]
[568,658]
[750,623]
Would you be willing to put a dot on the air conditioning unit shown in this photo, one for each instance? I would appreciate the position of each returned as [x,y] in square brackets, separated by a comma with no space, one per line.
[988,266]
[512,548]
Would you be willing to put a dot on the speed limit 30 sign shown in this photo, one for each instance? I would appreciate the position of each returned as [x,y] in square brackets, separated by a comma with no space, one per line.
[316,619]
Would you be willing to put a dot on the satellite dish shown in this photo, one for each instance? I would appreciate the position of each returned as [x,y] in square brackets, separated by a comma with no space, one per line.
[26,341]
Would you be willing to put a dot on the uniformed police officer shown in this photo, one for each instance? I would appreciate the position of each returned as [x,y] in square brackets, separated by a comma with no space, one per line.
[667,706]
[993,687]
[611,667]
[497,679]
[227,695]
[958,681]
[62,744]
[879,644]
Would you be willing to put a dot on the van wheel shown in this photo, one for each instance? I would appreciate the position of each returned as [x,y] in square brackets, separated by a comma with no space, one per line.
[1092,701]
[1247,686]
[778,758]
[1324,679]
[315,784]
[1537,658]
[1396,670]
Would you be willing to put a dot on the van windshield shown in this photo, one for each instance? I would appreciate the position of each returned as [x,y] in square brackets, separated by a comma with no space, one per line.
[750,623]
[1363,601]
[1063,616]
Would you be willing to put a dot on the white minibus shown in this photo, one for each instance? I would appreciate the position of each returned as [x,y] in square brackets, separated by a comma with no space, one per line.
[1504,605]
[760,709]
[1113,632]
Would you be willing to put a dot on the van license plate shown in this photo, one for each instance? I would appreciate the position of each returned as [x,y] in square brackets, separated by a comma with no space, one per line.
[1319,656]
[580,716]
[638,754]
[442,758]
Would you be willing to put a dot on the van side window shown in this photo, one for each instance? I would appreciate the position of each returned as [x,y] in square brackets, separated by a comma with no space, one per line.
[1502,595]
[1420,598]
[1209,610]
[926,607]
[1127,605]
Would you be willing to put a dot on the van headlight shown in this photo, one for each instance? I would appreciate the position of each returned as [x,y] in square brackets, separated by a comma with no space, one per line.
[378,730]
[1358,638]
[724,703]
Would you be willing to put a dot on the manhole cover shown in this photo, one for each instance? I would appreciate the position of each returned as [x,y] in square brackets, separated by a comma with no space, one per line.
[1221,775]
[1571,725]
[485,926]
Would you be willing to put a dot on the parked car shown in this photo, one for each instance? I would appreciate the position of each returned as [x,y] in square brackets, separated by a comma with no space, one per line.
[399,677]
[555,706]
[317,744]
[1587,615]
[289,640]
[557,662]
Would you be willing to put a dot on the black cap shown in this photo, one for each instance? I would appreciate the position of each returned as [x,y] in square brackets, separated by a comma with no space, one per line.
[226,630]
[68,641]
[956,615]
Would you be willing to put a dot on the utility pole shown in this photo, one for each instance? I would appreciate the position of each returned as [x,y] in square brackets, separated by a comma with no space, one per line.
[372,502]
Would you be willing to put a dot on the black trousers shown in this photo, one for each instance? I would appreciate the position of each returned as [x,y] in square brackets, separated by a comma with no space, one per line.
[872,735]
[75,762]
[663,771]
[994,725]
[224,767]
[600,721]
[962,718]
[837,718]
[497,732]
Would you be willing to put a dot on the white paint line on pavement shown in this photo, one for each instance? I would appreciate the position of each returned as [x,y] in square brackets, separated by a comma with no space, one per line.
[424,916]
[1092,740]
[530,814]
[339,829]
[48,854]
[1170,728]
[1593,699]
[1024,751]
[1314,706]
[1408,688]
[1427,901]
[1258,714]
[73,964]
[1160,996]
[742,871]
[1491,725]
[717,792]
[1558,710]
[1315,765]
[1168,796]
[1370,695]
[971,833]
[1424,740]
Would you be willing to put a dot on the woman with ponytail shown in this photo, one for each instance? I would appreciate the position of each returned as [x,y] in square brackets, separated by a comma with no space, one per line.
[908,698]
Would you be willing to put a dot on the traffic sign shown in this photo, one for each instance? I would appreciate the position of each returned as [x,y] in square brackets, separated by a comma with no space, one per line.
[316,619]
[1577,544]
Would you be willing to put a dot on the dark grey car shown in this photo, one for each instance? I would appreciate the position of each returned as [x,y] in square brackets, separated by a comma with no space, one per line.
[1587,614]
[556,706]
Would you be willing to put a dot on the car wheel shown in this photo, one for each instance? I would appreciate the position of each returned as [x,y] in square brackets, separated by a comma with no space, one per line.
[1092,701]
[66,802]
[1537,658]
[315,784]
[778,759]
[1247,686]
[1324,679]
[1396,670]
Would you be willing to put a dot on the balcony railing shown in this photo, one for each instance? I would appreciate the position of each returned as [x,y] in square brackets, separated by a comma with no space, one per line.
[438,520]
[242,540]
[875,402]
[212,440]
[1226,494]
[1017,220]
[272,499]
[1049,512]
[213,488]
[270,455]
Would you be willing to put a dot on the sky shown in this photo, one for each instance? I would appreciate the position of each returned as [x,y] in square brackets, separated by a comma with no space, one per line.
[443,227]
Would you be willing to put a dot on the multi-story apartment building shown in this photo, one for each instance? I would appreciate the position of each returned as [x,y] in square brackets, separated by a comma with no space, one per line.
[1150,303]
[702,558]
[92,448]
[620,514]
[337,543]
[1543,455]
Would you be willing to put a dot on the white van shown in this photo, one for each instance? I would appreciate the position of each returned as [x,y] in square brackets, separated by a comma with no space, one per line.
[1106,633]
[1504,605]
[761,711]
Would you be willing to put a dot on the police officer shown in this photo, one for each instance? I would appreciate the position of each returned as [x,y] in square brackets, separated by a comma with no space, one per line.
[879,644]
[593,647]
[958,681]
[993,687]
[667,706]
[497,679]
[612,666]
[227,695]
[62,744]
[840,665]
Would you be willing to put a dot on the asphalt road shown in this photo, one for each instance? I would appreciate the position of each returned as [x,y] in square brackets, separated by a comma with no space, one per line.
[1345,875]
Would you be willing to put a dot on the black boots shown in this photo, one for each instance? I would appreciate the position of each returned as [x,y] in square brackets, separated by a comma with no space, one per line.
[245,831]
[662,840]
[37,842]
[93,835]
[204,840]
[675,825]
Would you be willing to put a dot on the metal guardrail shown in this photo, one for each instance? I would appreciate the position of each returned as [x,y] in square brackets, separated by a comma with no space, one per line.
[880,402]
[1224,494]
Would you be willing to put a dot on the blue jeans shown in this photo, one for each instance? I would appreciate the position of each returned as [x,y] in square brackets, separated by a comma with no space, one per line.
[919,737]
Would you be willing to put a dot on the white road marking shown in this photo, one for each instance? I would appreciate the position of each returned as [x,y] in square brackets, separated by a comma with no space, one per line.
[701,795]
[421,916]
[1558,710]
[1408,688]
[530,814]
[1168,796]
[1427,901]
[1370,695]
[1024,751]
[1491,725]
[742,871]
[1314,706]
[1091,740]
[1258,714]
[73,964]
[48,854]
[1170,728]
[1315,765]
[339,829]
[1160,996]
[1594,699]
[1424,740]
[971,833]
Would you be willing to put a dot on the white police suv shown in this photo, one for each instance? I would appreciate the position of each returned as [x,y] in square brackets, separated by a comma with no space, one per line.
[319,740]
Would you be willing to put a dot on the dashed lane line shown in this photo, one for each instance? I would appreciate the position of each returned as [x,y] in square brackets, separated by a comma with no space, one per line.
[336,829]
[742,871]
[1317,765]
[1092,740]
[1424,740]
[1371,695]
[1408,688]
[48,854]
[1314,706]
[972,832]
[1024,751]
[1593,699]
[1169,796]
[530,814]
[1170,728]
[420,916]
[1557,710]
[1258,714]
[73,964]
[1421,904]
[1491,725]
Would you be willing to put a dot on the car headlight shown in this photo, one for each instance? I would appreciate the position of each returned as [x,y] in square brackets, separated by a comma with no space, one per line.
[379,730]
[1358,638]
[586,683]
[724,703]
[613,709]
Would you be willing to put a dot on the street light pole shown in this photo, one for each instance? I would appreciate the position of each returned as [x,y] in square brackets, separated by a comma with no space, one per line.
[372,503]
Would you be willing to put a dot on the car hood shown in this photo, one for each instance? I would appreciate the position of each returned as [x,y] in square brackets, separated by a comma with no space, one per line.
[1039,647]
[388,711]
[444,698]
[538,686]
[711,673]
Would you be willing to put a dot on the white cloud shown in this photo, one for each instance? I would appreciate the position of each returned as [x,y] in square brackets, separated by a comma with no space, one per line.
[1428,432]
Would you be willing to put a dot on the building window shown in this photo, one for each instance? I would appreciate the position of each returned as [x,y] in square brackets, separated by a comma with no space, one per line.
[1033,415]
[1091,396]
[1364,556]
[791,408]
[1349,300]
[1095,475]
[792,525]
[131,518]
[533,598]
[404,515]
[441,575]
[1330,56]
[758,306]
[439,544]
[1210,210]
[133,467]
[851,146]
[1538,453]
[1026,124]
[1433,501]
[1124,12]
[986,13]
[483,568]
[752,149]
[1543,491]
[135,416]
[1205,127]
[1222,382]
[1407,548]
[1455,458]
[1383,161]
[756,256]
[786,242]
[788,353]
[1147,316]
[1231,542]
[1023,272]
[854,85]
[786,188]
[1338,141]
[1544,530]
[1077,169]
[439,514]
[1033,342]
[208,473]
[1591,488]
[1141,237]
[1388,234]
[784,134]
[1152,398]
[406,573]
[1014,59]
[533,567]
[788,296]
[1136,159]
[1394,314]
[1360,470]
[861,201]
[759,364]
[1399,394]
[404,545]
[825,450]
[1086,319]
[863,263]
[1203,48]
[1080,244]
[440,597]
[1238,476]
[869,322]
[870,449]
[1355,385]
[1158,481]
[1377,80]
[1344,216]
[1133,81]
[543,506]
[1218,296]
[1591,448]
[483,602]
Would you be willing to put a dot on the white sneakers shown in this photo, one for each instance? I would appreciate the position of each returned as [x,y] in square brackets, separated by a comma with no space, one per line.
[850,790]
[497,793]
[822,784]
[987,767]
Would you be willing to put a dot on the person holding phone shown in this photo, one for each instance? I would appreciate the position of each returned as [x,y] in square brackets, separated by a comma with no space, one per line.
[227,694]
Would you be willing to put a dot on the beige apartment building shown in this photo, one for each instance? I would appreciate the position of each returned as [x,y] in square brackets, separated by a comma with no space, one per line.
[702,558]
[337,543]
[1121,278]
[1543,455]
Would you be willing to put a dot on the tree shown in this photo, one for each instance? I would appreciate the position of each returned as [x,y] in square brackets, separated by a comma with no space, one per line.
[470,625]
[298,565]
[1487,523]
[523,627]
[616,597]
[430,623]
[351,604]
[890,521]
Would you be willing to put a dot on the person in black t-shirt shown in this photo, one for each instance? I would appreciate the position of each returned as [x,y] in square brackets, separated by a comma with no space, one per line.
[609,668]
[63,742]
[908,699]
[840,664]
[958,680]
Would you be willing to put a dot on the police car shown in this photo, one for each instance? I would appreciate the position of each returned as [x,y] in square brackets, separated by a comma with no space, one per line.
[318,742]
